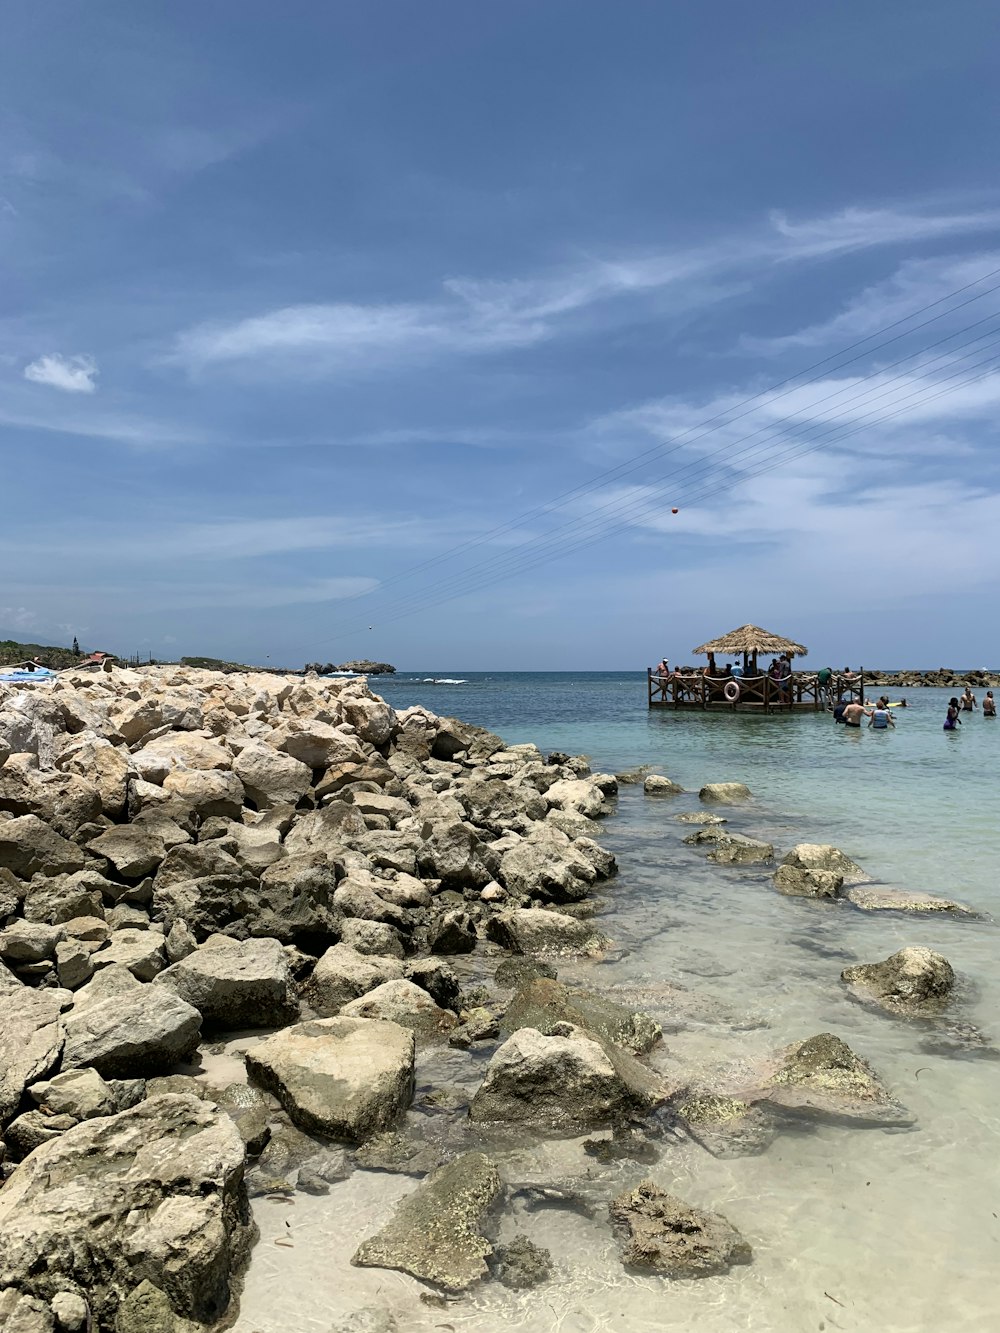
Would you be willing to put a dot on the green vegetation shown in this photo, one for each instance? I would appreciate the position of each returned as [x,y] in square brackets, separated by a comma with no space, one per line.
[12,652]
[215,664]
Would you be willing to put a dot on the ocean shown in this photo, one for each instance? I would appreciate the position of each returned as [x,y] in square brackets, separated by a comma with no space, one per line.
[869,1230]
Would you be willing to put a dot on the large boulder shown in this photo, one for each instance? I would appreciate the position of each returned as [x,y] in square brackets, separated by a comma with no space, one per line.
[563,1082]
[145,1030]
[579,795]
[823,856]
[658,785]
[207,791]
[135,850]
[541,1002]
[104,766]
[29,847]
[534,930]
[912,981]
[179,750]
[667,1236]
[315,744]
[800,882]
[822,1078]
[154,1193]
[343,974]
[31,1041]
[732,849]
[347,1078]
[547,866]
[141,951]
[295,902]
[271,777]
[235,984]
[725,793]
[435,1233]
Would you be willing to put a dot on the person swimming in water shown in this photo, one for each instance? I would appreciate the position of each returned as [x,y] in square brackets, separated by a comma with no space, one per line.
[952,721]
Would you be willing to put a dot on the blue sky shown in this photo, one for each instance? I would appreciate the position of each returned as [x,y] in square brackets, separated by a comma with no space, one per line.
[314,317]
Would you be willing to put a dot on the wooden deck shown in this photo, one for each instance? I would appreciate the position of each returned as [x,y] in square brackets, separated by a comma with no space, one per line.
[800,693]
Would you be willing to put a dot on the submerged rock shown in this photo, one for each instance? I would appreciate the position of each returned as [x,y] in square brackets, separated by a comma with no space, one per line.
[347,1078]
[521,1264]
[823,856]
[882,898]
[912,981]
[700,817]
[732,849]
[666,1235]
[155,1192]
[799,882]
[435,1233]
[658,785]
[823,1077]
[541,1003]
[726,793]
[513,972]
[727,1126]
[563,1082]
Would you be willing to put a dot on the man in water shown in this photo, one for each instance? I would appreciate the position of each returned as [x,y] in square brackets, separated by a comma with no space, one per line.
[853,713]
[989,705]
[967,701]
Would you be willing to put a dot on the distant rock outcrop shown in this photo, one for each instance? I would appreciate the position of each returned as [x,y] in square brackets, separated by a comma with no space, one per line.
[363,668]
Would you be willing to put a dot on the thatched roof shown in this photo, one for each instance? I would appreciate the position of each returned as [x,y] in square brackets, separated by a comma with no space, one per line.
[752,639]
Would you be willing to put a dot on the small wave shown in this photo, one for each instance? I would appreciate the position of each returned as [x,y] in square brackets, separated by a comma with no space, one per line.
[441,680]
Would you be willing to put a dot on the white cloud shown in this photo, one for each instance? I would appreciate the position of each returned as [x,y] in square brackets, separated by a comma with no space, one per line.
[73,374]
[17,617]
[471,316]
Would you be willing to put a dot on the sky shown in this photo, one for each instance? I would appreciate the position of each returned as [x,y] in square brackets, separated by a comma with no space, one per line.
[401,330]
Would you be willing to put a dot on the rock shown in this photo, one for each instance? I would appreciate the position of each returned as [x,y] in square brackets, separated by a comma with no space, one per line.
[547,866]
[71,1312]
[700,817]
[180,942]
[657,785]
[398,1153]
[80,1093]
[822,1077]
[797,882]
[315,744]
[343,974]
[514,972]
[727,1126]
[295,903]
[145,1031]
[822,856]
[271,778]
[235,984]
[372,937]
[912,981]
[734,850]
[582,796]
[147,1309]
[208,792]
[435,1232]
[537,931]
[64,897]
[31,1040]
[668,1236]
[881,898]
[437,979]
[155,1190]
[29,847]
[454,933]
[24,1314]
[29,942]
[141,951]
[64,801]
[521,1264]
[725,793]
[179,751]
[347,1078]
[74,967]
[541,1003]
[103,765]
[133,850]
[563,1083]
[404,1003]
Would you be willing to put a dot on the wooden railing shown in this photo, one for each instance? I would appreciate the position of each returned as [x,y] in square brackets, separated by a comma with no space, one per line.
[801,689]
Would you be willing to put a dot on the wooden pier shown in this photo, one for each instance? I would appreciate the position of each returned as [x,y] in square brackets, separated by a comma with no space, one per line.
[800,692]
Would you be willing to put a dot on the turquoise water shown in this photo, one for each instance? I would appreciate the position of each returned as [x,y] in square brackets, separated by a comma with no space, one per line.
[873,1231]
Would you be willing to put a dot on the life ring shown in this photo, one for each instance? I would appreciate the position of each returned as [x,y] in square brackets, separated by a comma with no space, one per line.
[732,690]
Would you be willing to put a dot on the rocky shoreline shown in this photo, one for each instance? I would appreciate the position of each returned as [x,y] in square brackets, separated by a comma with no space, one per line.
[943,678]
[187,856]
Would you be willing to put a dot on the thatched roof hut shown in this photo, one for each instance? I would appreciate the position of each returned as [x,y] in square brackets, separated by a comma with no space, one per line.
[751,641]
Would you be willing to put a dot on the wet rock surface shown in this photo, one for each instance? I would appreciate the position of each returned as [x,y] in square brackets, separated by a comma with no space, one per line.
[665,1235]
[911,981]
[823,1077]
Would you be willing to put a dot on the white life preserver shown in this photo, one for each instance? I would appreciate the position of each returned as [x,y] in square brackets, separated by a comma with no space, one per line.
[732,690]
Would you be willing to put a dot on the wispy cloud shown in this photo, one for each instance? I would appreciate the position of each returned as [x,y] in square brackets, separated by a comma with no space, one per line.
[72,374]
[471,316]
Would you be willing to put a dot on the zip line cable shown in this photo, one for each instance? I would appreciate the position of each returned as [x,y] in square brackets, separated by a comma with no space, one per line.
[637,460]
[795,449]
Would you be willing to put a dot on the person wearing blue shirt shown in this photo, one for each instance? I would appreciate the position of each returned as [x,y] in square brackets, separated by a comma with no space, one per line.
[737,669]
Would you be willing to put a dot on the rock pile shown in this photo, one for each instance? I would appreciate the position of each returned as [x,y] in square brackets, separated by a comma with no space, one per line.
[187,852]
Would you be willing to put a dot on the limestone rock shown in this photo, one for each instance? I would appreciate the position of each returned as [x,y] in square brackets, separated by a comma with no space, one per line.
[209,792]
[80,1093]
[521,1264]
[29,847]
[562,1083]
[658,785]
[734,850]
[800,882]
[343,974]
[270,777]
[912,981]
[435,1233]
[581,795]
[668,1236]
[347,1078]
[295,902]
[402,1002]
[727,1126]
[725,793]
[235,984]
[533,930]
[454,933]
[29,942]
[105,766]
[372,937]
[143,1031]
[31,1040]
[141,951]
[541,1003]
[882,898]
[823,856]
[823,1078]
[155,1191]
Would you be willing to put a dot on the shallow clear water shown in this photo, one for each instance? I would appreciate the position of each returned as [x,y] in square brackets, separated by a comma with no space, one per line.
[856,1229]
